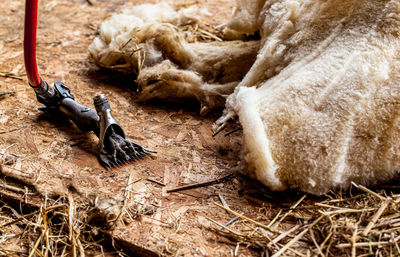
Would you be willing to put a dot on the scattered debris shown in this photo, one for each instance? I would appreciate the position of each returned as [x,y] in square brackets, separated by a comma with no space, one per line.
[155,182]
[58,228]
[12,75]
[61,227]
[91,2]
[204,184]
[233,131]
[3,94]
[365,224]
[10,159]
[201,33]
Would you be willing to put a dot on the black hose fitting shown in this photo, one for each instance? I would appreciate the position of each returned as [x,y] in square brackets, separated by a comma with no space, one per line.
[46,94]
[59,99]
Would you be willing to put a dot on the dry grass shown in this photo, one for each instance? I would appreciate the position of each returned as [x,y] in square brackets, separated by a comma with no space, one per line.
[59,228]
[364,223]
[201,33]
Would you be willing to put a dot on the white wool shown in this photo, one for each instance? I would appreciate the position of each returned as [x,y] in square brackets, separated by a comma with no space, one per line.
[258,146]
[161,12]
[314,111]
[244,18]
[117,25]
[116,45]
[318,96]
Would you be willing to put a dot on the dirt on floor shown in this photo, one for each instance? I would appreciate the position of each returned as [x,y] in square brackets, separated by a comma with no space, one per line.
[50,156]
[50,169]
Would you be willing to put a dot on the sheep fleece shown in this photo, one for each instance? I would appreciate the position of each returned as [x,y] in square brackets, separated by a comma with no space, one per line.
[319,100]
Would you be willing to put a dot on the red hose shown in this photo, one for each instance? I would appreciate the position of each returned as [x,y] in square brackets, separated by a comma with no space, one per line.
[31,11]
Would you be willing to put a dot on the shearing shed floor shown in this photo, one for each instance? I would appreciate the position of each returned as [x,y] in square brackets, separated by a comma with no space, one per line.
[57,199]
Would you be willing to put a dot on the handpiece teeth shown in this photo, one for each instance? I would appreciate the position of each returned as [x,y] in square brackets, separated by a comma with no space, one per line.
[121,154]
[115,148]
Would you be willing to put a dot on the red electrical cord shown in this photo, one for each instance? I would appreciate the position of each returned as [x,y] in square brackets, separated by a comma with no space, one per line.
[31,11]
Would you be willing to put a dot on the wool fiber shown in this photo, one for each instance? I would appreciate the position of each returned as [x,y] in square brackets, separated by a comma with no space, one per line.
[318,95]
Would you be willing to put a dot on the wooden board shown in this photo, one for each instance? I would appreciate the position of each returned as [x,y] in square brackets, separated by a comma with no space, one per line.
[55,158]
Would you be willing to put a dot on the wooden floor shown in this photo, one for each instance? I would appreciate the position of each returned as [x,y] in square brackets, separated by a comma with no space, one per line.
[52,157]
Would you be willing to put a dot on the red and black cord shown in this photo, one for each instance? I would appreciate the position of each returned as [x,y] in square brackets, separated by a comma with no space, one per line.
[31,14]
